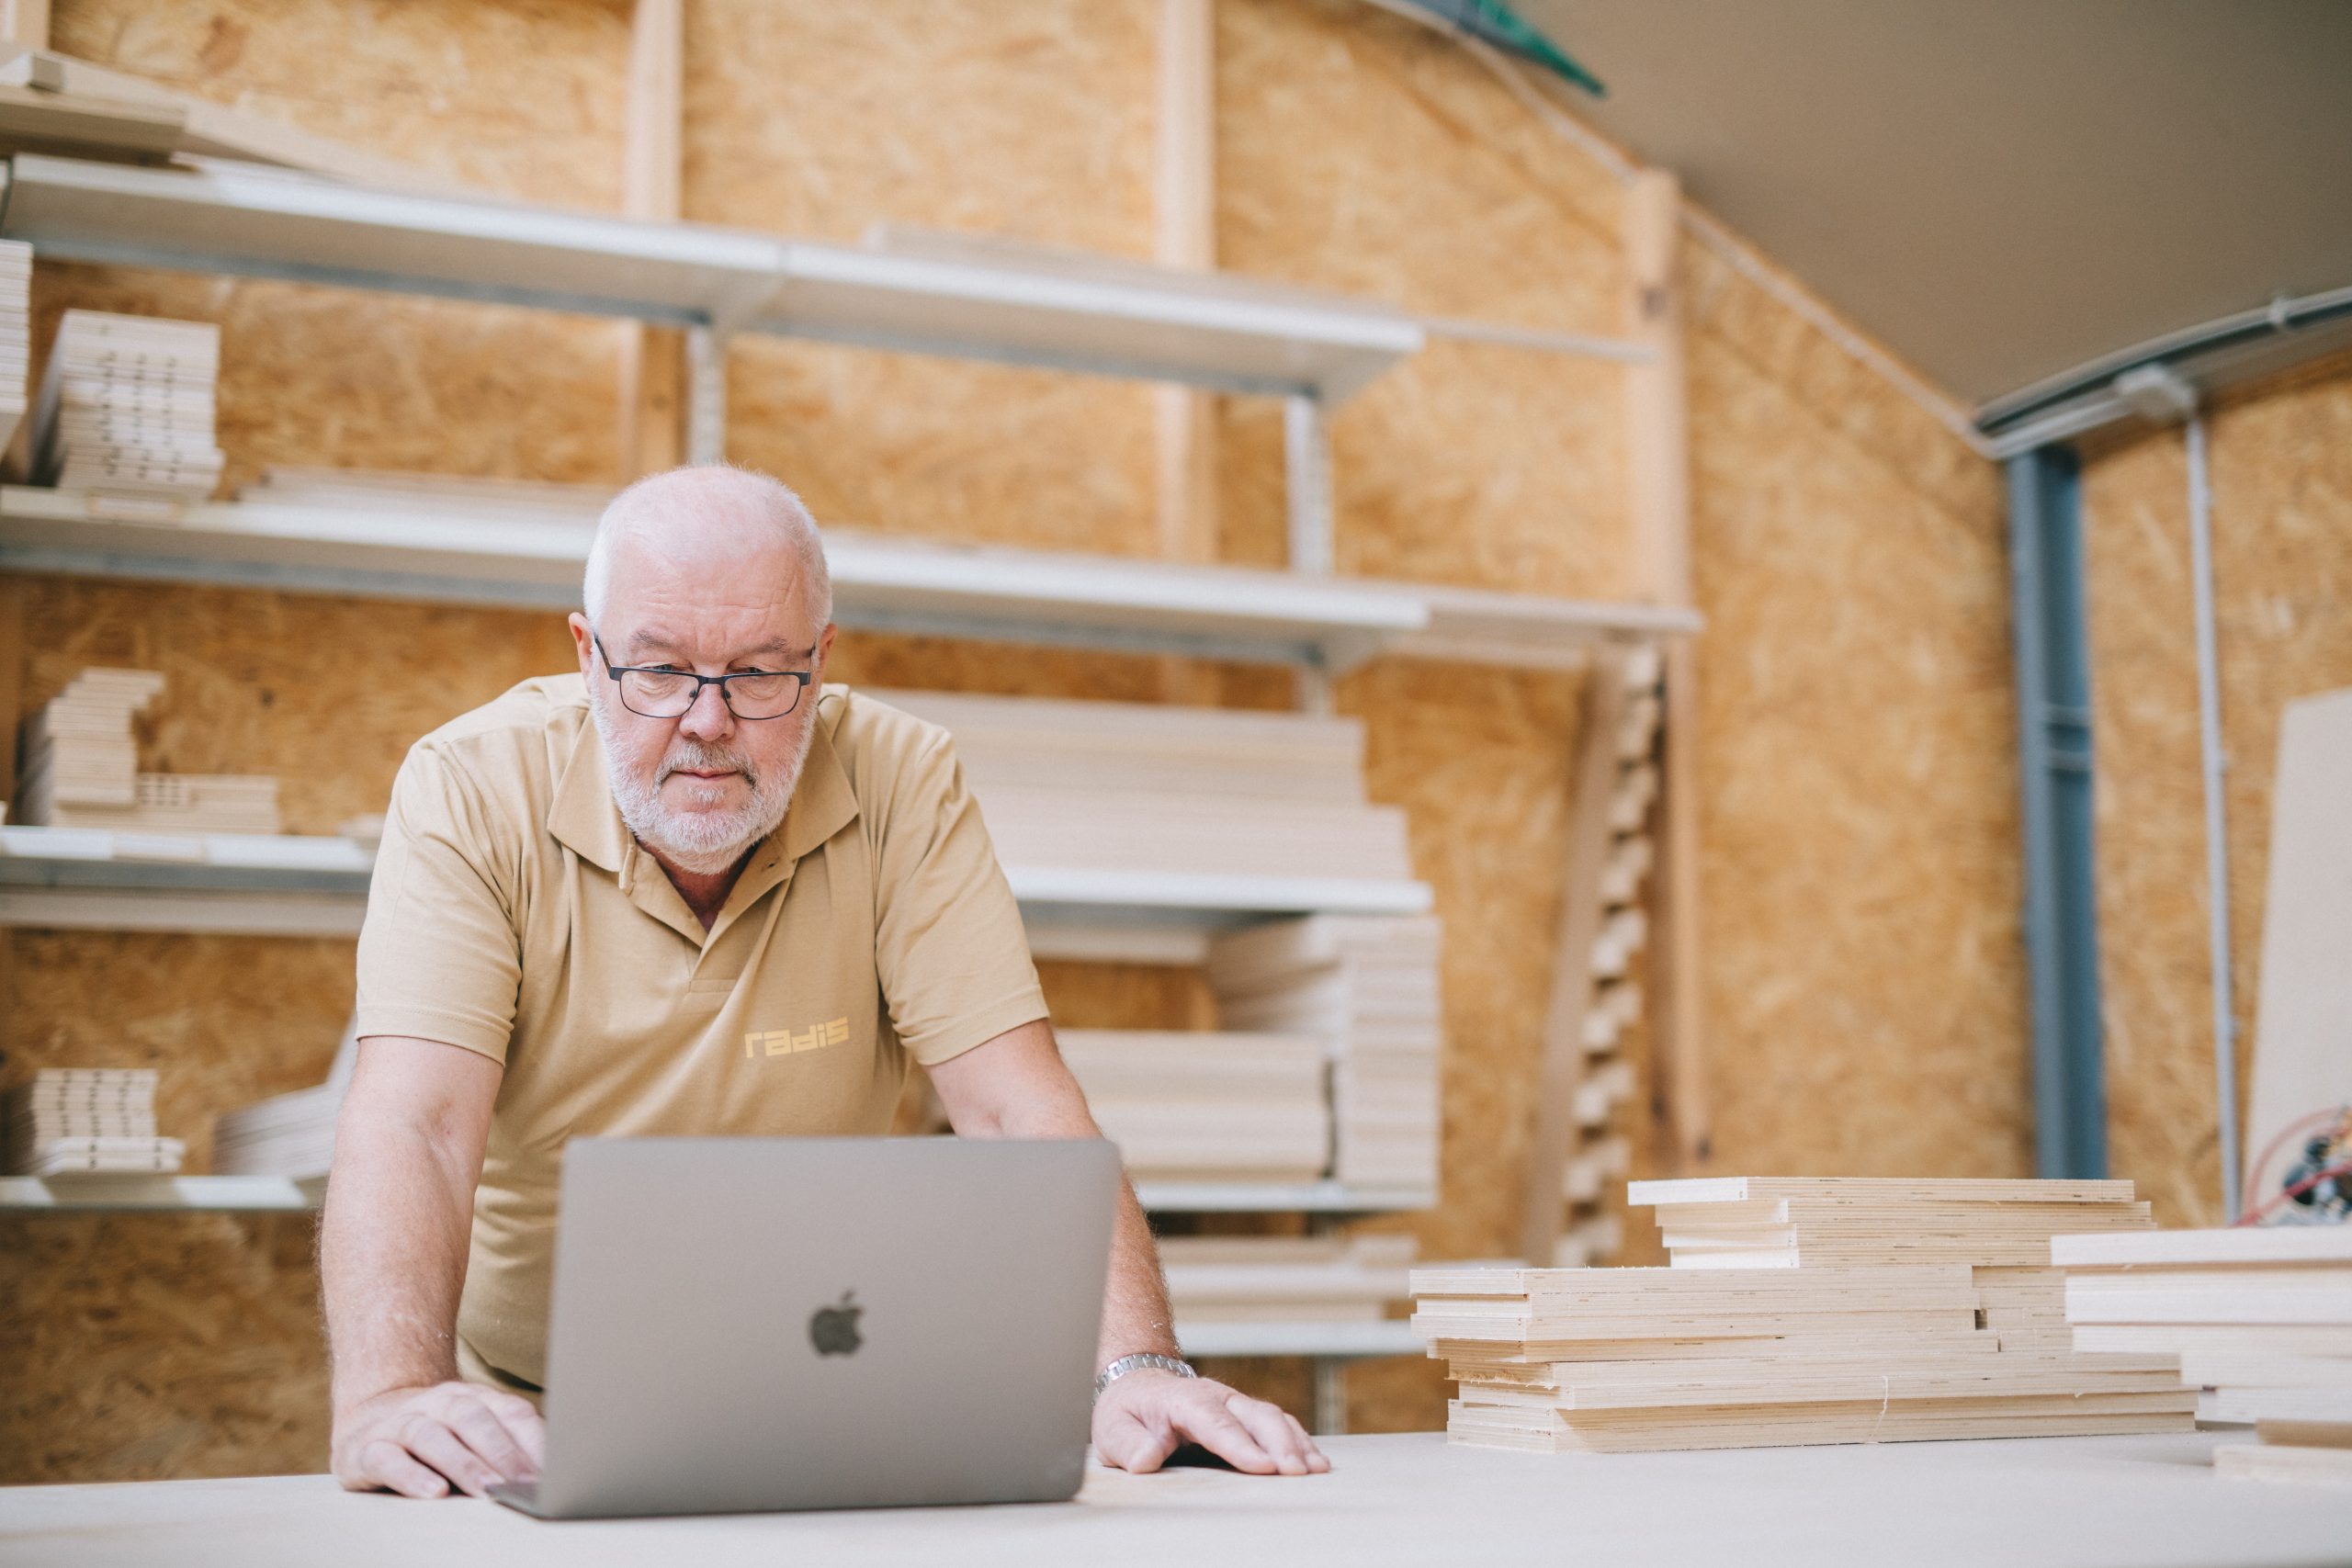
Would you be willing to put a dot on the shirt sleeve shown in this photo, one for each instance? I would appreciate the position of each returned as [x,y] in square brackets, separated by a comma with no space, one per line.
[948,946]
[439,956]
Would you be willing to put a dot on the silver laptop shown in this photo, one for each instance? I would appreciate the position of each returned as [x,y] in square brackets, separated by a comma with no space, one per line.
[751,1323]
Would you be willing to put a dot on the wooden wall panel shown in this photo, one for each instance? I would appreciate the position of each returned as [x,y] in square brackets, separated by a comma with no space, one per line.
[2281,471]
[1865,981]
[1030,123]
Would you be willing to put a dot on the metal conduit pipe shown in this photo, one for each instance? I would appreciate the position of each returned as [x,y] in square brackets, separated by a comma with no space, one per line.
[2217,841]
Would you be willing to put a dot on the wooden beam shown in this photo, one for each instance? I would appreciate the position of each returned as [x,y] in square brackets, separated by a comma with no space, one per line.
[25,23]
[1184,445]
[1590,838]
[1184,234]
[1658,466]
[653,358]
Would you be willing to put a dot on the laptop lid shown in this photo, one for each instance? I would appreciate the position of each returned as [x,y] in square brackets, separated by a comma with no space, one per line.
[745,1324]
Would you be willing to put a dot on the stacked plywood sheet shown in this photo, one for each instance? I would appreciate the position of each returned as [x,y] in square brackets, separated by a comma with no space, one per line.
[1203,1105]
[81,765]
[15,335]
[1367,986]
[126,407]
[1798,1312]
[292,1134]
[1175,792]
[2260,1317]
[1285,1279]
[72,1120]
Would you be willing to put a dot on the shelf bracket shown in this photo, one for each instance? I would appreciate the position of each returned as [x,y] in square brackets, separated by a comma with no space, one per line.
[705,395]
[1306,452]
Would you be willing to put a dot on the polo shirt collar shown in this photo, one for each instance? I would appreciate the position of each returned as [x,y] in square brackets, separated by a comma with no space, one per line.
[822,805]
[583,817]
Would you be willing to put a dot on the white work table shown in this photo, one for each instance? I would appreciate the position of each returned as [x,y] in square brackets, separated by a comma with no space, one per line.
[2143,1501]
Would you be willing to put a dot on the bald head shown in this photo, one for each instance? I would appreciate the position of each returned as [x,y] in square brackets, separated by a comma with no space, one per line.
[710,522]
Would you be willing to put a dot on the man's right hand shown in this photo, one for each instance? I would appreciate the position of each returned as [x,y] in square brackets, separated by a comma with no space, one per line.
[420,1442]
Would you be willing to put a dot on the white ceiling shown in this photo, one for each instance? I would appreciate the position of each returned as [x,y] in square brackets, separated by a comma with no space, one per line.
[1999,190]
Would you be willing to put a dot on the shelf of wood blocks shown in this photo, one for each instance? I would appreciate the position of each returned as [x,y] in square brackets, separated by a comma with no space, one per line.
[1800,1311]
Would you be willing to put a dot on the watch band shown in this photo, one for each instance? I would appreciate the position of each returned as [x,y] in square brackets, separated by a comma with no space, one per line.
[1139,1362]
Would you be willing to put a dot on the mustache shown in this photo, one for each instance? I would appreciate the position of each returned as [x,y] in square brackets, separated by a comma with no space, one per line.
[694,755]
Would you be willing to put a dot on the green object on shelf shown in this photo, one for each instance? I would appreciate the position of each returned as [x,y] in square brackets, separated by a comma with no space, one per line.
[1497,24]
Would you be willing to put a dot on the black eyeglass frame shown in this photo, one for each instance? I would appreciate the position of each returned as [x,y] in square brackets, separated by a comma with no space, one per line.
[617,671]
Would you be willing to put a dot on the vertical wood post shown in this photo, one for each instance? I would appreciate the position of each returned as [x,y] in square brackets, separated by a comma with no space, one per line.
[1659,467]
[652,358]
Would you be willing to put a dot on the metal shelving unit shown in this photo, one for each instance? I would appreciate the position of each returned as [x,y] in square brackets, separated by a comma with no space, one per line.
[1103,318]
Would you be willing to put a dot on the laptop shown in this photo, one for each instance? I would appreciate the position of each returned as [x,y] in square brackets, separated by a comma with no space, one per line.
[751,1323]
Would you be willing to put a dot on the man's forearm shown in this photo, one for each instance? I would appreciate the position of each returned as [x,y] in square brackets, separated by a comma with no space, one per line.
[1136,1315]
[393,1257]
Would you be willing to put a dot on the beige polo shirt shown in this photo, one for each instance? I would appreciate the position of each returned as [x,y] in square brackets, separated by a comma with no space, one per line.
[514,914]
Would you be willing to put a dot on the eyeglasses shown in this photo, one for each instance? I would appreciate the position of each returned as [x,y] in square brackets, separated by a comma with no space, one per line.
[655,693]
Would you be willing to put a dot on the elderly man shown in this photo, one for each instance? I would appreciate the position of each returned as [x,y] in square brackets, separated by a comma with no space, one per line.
[592,894]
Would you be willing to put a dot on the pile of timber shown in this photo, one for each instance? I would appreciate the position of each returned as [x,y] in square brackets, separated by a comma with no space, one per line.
[69,1121]
[80,763]
[1176,791]
[1367,986]
[1801,1310]
[2262,1317]
[1201,1105]
[126,407]
[1285,1279]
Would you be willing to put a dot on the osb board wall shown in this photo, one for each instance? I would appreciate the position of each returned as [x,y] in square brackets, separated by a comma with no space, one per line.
[2281,466]
[1861,974]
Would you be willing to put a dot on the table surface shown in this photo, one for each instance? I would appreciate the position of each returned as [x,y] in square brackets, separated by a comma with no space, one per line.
[2144,1501]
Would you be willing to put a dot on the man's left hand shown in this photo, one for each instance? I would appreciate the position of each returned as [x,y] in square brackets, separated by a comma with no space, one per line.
[1145,1416]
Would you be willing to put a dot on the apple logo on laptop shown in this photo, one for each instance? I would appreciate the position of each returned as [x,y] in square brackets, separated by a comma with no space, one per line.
[833,1329]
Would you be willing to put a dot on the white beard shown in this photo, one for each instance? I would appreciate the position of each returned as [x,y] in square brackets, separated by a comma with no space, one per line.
[703,843]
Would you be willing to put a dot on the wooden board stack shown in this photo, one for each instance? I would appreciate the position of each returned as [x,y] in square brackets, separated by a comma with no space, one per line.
[82,769]
[1285,1279]
[126,407]
[291,1134]
[1367,986]
[1800,1311]
[2262,1317]
[1206,1106]
[72,1121]
[15,335]
[1179,792]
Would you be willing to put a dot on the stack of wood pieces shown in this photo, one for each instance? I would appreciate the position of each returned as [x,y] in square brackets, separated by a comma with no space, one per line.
[126,407]
[82,769]
[2261,1316]
[1800,1311]
[292,1134]
[71,1121]
[1367,986]
[1285,1279]
[1189,795]
[15,335]
[1203,1105]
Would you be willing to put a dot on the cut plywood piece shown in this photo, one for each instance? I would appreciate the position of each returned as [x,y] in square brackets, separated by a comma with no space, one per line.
[2302,1050]
[2234,1247]
[76,90]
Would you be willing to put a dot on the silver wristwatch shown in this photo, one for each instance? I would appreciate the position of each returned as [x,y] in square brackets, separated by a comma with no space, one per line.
[1136,1363]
